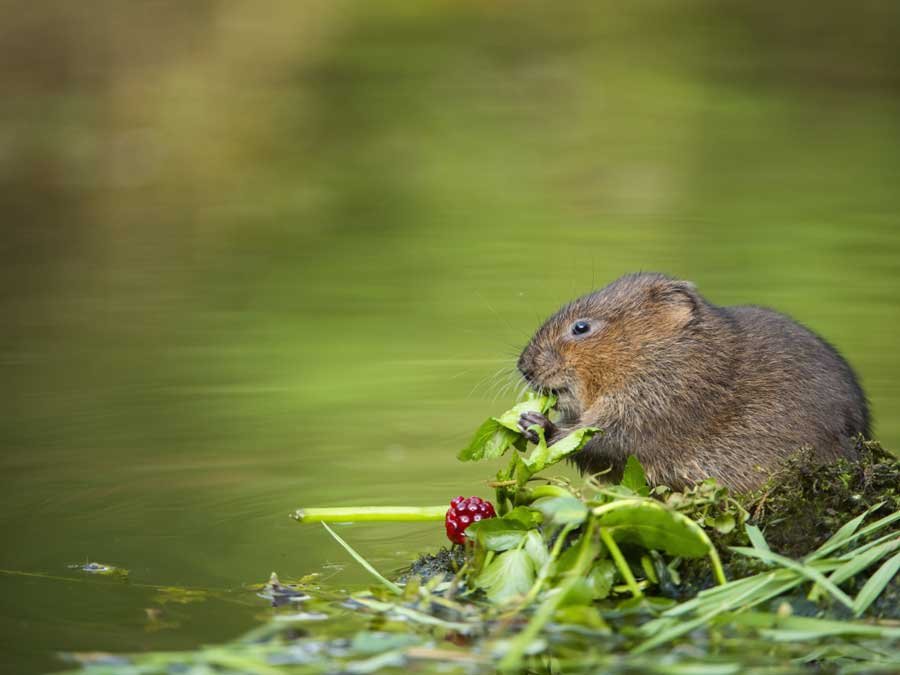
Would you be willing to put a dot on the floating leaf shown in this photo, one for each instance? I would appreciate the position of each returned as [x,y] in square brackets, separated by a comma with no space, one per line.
[633,477]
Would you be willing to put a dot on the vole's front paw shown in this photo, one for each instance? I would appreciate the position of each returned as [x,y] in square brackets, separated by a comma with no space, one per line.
[531,419]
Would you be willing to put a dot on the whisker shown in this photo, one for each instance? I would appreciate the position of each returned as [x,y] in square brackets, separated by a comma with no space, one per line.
[487,381]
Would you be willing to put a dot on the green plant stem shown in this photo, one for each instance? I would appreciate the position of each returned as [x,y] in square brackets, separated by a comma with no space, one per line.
[716,563]
[358,514]
[390,585]
[619,560]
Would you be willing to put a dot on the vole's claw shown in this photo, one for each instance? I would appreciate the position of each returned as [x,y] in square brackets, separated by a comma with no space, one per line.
[531,419]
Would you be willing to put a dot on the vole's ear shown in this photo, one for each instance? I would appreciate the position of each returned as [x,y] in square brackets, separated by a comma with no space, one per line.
[681,300]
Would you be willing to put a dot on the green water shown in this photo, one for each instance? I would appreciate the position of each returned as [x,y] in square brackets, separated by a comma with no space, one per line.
[255,260]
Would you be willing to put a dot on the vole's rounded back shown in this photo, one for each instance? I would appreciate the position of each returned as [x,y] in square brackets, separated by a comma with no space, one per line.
[692,389]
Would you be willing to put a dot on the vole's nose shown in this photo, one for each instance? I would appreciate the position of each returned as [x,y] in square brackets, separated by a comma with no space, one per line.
[524,367]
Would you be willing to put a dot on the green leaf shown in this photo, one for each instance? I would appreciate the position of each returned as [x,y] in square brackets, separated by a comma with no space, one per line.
[584,616]
[547,455]
[510,419]
[497,534]
[601,578]
[634,478]
[525,515]
[653,526]
[876,584]
[536,547]
[497,434]
[562,510]
[491,441]
[724,523]
[509,576]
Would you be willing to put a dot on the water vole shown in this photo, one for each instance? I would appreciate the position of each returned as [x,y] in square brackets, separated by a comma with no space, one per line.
[690,388]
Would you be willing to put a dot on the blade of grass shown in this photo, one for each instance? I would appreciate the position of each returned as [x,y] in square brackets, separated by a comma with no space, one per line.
[874,527]
[862,561]
[804,570]
[682,627]
[843,534]
[390,585]
[415,615]
[869,544]
[802,628]
[756,538]
[875,585]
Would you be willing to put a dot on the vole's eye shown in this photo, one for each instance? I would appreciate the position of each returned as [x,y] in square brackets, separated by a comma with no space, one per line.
[580,327]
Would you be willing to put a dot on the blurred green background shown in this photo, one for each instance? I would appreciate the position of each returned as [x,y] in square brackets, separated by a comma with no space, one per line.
[265,255]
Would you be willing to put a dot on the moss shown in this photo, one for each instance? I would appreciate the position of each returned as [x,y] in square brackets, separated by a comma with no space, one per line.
[445,562]
[807,501]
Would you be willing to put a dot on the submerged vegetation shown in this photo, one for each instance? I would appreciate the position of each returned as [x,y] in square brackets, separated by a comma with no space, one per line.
[626,578]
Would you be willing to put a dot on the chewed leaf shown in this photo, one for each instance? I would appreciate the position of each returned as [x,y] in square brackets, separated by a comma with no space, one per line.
[546,455]
[634,478]
[509,575]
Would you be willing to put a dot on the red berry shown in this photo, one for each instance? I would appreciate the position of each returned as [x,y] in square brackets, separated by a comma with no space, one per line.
[464,512]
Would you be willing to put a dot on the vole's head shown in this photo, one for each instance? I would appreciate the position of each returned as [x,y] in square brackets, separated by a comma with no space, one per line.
[609,339]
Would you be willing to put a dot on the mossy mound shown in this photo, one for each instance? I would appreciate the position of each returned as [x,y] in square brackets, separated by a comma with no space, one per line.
[806,502]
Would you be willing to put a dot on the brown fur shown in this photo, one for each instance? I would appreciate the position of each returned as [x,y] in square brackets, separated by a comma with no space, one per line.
[692,389]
